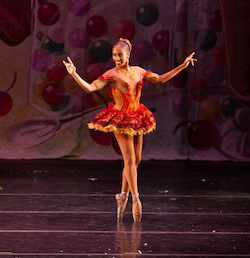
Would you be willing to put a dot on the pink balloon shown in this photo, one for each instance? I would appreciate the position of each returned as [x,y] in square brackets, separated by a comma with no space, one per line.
[79,7]
[142,51]
[181,106]
[58,33]
[79,57]
[214,74]
[39,59]
[92,71]
[78,103]
[79,38]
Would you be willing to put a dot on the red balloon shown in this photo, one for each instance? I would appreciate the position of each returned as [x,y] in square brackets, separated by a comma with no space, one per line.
[56,70]
[202,135]
[124,29]
[199,96]
[53,94]
[161,41]
[218,55]
[5,103]
[96,26]
[101,138]
[48,13]
[180,80]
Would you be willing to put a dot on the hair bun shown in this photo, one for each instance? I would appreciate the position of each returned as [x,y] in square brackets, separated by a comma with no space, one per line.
[127,42]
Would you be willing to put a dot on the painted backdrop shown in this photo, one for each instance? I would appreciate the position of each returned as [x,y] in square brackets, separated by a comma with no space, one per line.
[202,114]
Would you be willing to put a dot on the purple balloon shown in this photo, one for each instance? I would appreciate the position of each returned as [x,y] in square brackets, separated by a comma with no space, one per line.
[214,74]
[142,51]
[181,106]
[39,59]
[78,103]
[79,38]
[79,7]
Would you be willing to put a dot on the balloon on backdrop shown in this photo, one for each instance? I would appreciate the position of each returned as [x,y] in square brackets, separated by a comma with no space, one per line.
[142,51]
[39,59]
[79,7]
[48,13]
[101,51]
[181,105]
[218,55]
[214,74]
[55,70]
[96,26]
[79,38]
[58,32]
[53,94]
[202,135]
[124,29]
[161,41]
[147,14]
[205,39]
[210,109]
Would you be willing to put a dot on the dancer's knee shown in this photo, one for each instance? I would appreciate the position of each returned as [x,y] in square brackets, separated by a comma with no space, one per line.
[129,161]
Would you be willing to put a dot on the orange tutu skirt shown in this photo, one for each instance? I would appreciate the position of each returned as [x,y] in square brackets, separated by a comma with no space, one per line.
[132,123]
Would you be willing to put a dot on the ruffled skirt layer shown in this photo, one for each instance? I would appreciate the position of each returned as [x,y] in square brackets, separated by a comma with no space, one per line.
[132,123]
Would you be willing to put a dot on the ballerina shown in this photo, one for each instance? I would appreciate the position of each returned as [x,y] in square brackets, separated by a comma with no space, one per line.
[128,119]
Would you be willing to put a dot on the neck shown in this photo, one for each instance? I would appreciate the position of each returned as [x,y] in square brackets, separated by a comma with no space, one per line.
[126,67]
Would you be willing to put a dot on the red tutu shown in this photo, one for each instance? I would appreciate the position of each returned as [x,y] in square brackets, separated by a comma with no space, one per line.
[132,123]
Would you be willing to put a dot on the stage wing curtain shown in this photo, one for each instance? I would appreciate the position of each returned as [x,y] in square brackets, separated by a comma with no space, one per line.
[202,114]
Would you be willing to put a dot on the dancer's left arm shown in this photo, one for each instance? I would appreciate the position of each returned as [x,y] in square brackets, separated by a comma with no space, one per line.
[168,75]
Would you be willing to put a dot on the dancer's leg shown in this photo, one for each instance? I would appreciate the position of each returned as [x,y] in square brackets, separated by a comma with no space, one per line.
[126,144]
[127,147]
[138,143]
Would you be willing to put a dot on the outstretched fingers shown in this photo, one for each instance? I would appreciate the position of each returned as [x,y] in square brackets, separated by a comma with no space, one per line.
[70,61]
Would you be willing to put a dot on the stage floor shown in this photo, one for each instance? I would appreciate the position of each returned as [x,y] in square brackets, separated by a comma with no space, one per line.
[59,208]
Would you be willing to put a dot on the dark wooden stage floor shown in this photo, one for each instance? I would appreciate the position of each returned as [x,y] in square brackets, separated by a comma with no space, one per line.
[67,209]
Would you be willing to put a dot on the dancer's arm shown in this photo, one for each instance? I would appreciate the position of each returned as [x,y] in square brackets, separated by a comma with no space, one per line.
[168,75]
[82,83]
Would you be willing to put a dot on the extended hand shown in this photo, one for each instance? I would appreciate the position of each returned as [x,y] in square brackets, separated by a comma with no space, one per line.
[189,60]
[69,66]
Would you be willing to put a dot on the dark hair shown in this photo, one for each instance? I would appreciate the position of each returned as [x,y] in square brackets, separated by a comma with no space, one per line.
[124,43]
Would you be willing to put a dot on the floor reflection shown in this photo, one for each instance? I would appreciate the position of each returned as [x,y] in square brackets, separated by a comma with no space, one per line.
[128,239]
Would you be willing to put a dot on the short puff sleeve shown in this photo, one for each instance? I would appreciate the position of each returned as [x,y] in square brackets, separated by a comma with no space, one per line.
[102,81]
[151,77]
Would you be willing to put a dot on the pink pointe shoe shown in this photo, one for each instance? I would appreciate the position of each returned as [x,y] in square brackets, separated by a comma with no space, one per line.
[121,200]
[136,215]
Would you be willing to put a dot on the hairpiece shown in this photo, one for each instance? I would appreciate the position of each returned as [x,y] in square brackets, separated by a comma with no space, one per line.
[127,42]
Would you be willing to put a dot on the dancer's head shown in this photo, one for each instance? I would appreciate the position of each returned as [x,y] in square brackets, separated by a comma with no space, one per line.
[121,52]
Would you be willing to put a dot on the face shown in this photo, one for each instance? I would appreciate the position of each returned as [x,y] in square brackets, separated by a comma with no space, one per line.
[120,56]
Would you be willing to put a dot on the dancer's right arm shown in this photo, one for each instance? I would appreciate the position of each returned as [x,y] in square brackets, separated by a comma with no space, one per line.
[82,83]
